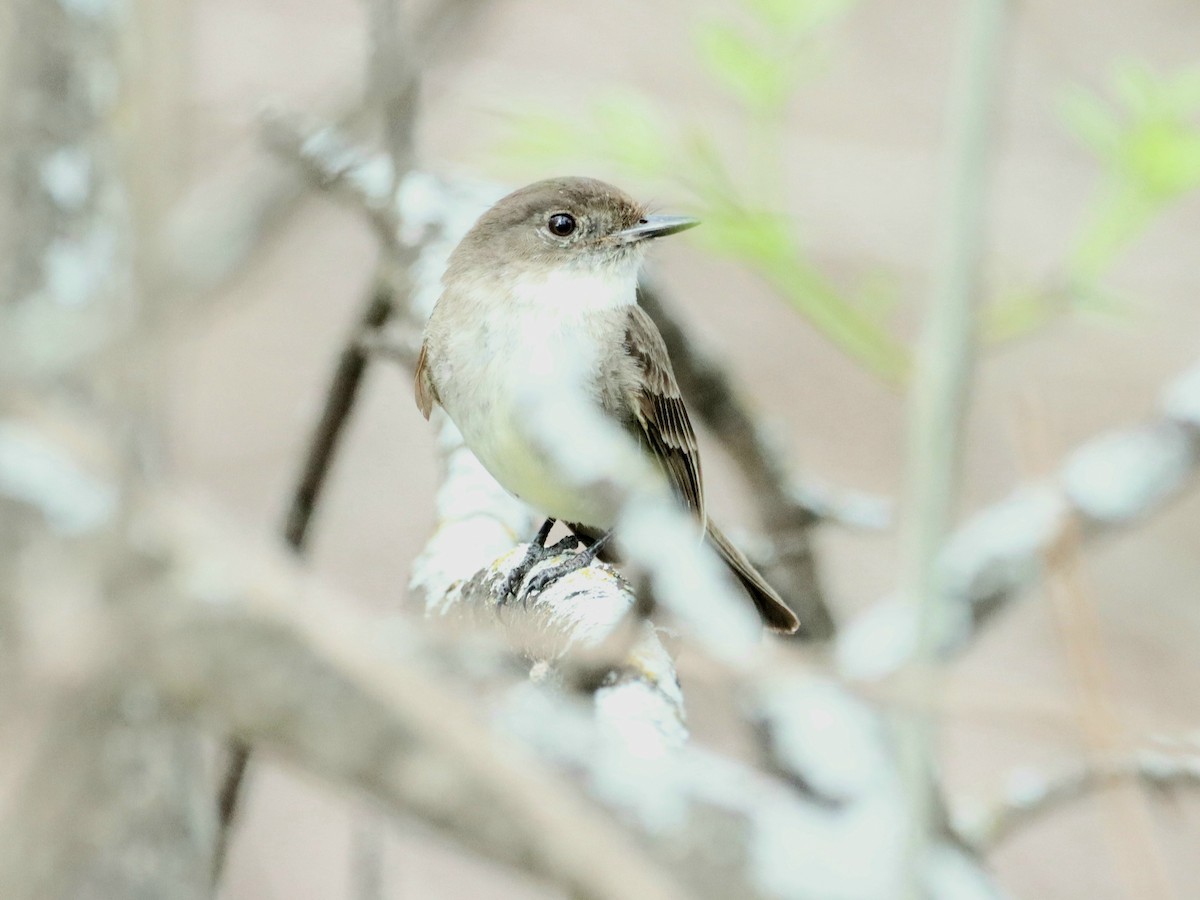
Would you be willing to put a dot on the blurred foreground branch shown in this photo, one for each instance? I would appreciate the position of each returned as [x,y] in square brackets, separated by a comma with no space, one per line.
[1110,483]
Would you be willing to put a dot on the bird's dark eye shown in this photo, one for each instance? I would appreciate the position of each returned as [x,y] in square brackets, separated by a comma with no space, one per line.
[561,224]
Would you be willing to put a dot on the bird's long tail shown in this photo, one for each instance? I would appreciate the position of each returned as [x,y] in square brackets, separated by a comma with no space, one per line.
[775,613]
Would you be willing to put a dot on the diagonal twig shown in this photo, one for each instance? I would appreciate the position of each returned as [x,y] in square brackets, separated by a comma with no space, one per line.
[339,403]
[1031,795]
[1110,483]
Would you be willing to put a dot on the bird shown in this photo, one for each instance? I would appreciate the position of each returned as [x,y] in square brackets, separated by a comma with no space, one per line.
[546,282]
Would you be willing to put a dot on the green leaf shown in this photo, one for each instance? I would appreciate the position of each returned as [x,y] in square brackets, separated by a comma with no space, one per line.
[1164,159]
[1184,93]
[634,133]
[541,141]
[1120,215]
[1136,88]
[747,71]
[1018,314]
[853,330]
[1092,121]
[765,243]
[750,236]
[796,17]
[878,295]
[704,168]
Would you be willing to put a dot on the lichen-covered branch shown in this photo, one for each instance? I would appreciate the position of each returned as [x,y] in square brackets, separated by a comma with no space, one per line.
[1110,483]
[804,833]
[309,679]
[1030,795]
[114,804]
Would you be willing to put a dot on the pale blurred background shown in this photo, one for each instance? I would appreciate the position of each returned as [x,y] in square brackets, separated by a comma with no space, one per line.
[863,162]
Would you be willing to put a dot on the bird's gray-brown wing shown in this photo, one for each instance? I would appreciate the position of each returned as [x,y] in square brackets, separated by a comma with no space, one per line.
[658,410]
[423,384]
[653,396]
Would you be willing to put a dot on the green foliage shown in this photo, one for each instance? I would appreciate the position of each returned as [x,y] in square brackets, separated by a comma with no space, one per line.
[1144,135]
[1146,139]
[758,57]
[736,63]
[1148,144]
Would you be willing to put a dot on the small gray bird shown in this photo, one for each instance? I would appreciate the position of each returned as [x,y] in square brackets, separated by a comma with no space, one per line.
[546,283]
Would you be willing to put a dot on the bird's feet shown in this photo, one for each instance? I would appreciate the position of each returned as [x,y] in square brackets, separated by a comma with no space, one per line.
[580,560]
[537,552]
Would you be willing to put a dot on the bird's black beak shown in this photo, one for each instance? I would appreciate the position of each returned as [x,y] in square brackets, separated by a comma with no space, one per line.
[653,227]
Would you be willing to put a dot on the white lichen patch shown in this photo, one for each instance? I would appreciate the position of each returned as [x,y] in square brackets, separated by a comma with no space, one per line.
[688,578]
[66,175]
[1025,787]
[36,472]
[1121,476]
[1181,399]
[1000,549]
[91,9]
[824,735]
[1003,546]
[640,779]
[78,269]
[879,640]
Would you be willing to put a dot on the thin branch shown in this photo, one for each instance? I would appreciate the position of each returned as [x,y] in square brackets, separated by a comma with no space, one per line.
[213,232]
[1111,483]
[339,403]
[1031,795]
[944,372]
[225,218]
[333,164]
[393,78]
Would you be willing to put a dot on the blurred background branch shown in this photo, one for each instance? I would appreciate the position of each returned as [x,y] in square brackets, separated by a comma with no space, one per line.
[1112,482]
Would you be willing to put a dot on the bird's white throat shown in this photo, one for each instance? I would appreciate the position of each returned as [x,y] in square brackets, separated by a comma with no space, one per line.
[578,289]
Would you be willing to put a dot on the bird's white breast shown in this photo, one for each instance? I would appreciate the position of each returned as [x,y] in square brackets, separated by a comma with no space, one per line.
[510,356]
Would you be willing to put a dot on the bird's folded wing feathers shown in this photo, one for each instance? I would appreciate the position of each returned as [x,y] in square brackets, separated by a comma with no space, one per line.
[422,385]
[659,411]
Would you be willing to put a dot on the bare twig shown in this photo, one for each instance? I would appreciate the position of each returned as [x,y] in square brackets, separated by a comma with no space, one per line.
[394,80]
[1032,795]
[1110,483]
[332,163]
[944,369]
[339,402]
[215,230]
